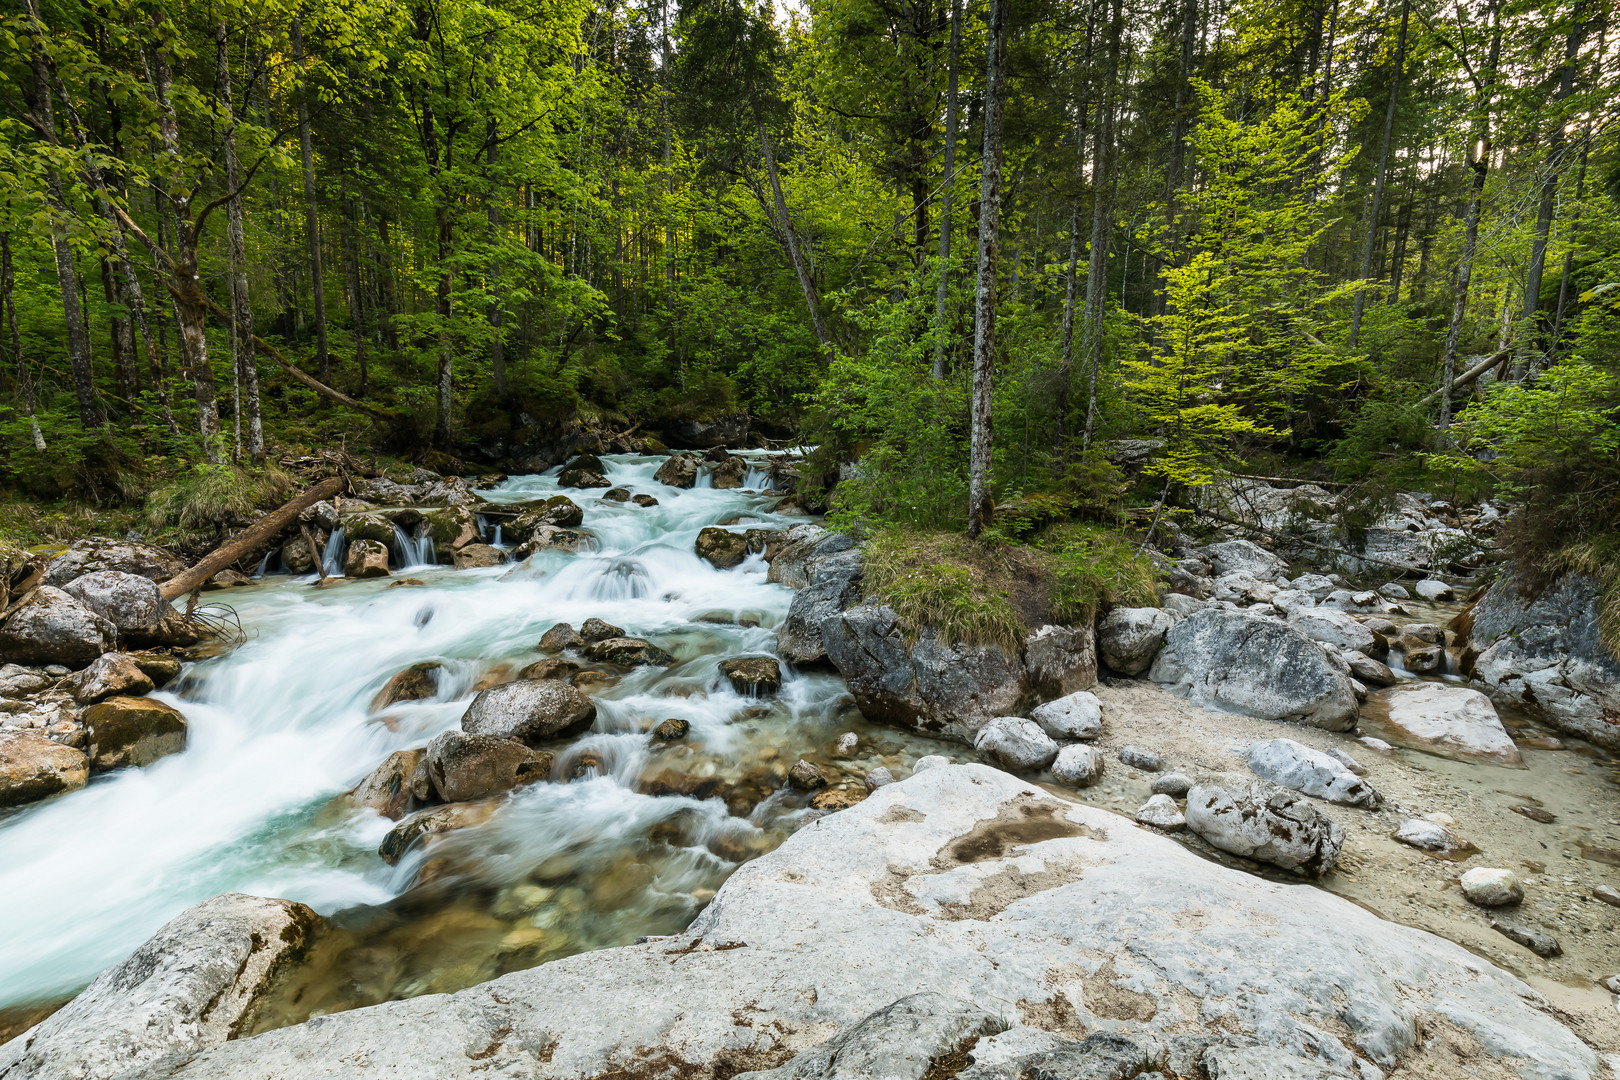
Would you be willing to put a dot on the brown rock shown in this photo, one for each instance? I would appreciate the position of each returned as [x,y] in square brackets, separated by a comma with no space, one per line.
[672,730]
[559,512]
[366,559]
[755,676]
[679,471]
[161,669]
[560,637]
[551,538]
[582,478]
[432,822]
[473,556]
[805,776]
[415,683]
[109,675]
[644,500]
[131,731]
[388,789]
[721,548]
[627,652]
[730,472]
[550,669]
[585,680]
[227,579]
[597,630]
[834,799]
[465,766]
[617,495]
[33,767]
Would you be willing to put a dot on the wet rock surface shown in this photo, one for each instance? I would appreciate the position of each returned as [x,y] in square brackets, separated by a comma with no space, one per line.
[123,731]
[530,710]
[51,627]
[33,767]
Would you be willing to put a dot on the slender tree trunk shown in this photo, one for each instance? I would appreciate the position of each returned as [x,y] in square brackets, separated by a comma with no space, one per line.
[121,333]
[790,240]
[981,500]
[1557,333]
[947,190]
[387,295]
[1397,259]
[245,365]
[1523,362]
[1102,221]
[312,220]
[25,378]
[1479,165]
[1376,206]
[357,298]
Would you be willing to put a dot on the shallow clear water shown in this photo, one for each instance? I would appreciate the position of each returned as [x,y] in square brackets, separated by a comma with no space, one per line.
[280,729]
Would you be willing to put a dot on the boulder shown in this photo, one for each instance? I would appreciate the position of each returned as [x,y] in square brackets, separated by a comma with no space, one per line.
[899,1042]
[1174,784]
[1429,836]
[33,767]
[1541,650]
[297,557]
[594,629]
[672,730]
[387,789]
[1243,556]
[1129,638]
[702,434]
[627,652]
[1267,823]
[130,602]
[753,676]
[550,669]
[366,559]
[729,473]
[1053,916]
[826,568]
[796,555]
[1424,659]
[1161,812]
[1311,772]
[1179,606]
[805,776]
[415,683]
[161,668]
[721,548]
[1016,743]
[199,981]
[679,471]
[1370,671]
[131,731]
[463,767]
[561,636]
[1242,587]
[618,495]
[1333,627]
[927,685]
[1078,765]
[1490,886]
[473,556]
[644,500]
[577,477]
[1257,667]
[530,710]
[108,675]
[1060,660]
[434,821]
[551,538]
[559,511]
[51,627]
[1076,716]
[1434,590]
[1452,719]
[99,553]
[322,515]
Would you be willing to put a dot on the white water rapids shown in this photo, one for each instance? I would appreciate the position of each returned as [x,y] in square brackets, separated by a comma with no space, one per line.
[280,726]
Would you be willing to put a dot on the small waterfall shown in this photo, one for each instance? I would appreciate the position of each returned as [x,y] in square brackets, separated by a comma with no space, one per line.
[757,478]
[332,556]
[495,541]
[620,579]
[264,564]
[412,551]
[483,526]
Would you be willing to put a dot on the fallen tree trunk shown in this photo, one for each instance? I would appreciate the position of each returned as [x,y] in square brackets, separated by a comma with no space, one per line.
[265,529]
[1470,375]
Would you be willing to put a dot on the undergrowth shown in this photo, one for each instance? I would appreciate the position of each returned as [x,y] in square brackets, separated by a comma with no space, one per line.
[209,496]
[1091,566]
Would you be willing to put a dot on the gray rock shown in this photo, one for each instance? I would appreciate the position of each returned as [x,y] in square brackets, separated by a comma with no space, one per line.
[1537,941]
[1316,586]
[1270,1063]
[1268,823]
[1362,602]
[33,767]
[1294,765]
[463,767]
[51,627]
[130,602]
[1289,601]
[1333,627]
[899,1042]
[831,585]
[387,789]
[1256,667]
[1425,659]
[805,776]
[1369,671]
[1174,784]
[1394,591]
[1243,556]
[929,761]
[1161,812]
[1346,760]
[1180,606]
[1544,654]
[1060,660]
[594,630]
[796,555]
[1077,716]
[108,675]
[1430,836]
[1137,758]
[879,777]
[928,686]
[100,553]
[1491,886]
[847,742]
[1242,587]
[1077,765]
[1016,743]
[975,884]
[1129,638]
[1433,590]
[1451,719]
[679,471]
[1609,895]
[200,981]
[530,710]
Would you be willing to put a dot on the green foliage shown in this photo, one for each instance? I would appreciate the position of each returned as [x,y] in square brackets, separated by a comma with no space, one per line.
[943,581]
[1093,566]
[212,496]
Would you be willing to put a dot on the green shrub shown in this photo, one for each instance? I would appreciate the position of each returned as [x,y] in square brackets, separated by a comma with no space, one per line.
[209,496]
[1092,566]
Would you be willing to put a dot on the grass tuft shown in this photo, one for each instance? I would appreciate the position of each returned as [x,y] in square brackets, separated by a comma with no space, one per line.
[1091,566]
[209,496]
[944,581]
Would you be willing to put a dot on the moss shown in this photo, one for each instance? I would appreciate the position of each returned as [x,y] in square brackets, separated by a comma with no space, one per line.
[946,582]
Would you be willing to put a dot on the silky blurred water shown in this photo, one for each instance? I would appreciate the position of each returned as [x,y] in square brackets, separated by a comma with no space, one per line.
[280,728]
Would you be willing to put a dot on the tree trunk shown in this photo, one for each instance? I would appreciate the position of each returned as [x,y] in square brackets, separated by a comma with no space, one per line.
[1397,260]
[1376,207]
[1479,165]
[790,240]
[357,298]
[252,539]
[947,189]
[246,367]
[497,347]
[25,378]
[1102,219]
[1557,333]
[981,500]
[120,333]
[312,221]
[1522,363]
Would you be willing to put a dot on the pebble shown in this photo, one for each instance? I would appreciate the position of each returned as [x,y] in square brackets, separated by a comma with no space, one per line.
[805,776]
[1161,812]
[1137,758]
[1347,761]
[847,743]
[1541,944]
[1377,746]
[1536,813]
[929,761]
[1608,894]
[1078,765]
[1611,984]
[879,777]
[1174,784]
[1490,886]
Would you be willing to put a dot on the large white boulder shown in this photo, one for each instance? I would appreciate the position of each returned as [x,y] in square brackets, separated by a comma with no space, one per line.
[1319,775]
[1262,821]
[1129,638]
[964,881]
[1331,626]
[1452,719]
[1245,556]
[52,627]
[1016,743]
[199,981]
[1077,716]
[1255,666]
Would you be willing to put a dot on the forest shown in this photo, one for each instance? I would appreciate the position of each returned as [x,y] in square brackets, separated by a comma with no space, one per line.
[972,245]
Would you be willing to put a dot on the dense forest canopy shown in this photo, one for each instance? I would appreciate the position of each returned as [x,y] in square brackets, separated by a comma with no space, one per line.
[1365,237]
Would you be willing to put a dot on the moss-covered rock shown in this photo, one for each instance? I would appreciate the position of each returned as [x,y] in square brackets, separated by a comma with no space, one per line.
[131,731]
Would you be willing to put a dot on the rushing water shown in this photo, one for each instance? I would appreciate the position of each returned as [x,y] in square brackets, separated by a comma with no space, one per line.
[280,728]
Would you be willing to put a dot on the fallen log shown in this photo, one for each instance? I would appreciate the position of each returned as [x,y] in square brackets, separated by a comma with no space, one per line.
[1468,376]
[260,532]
